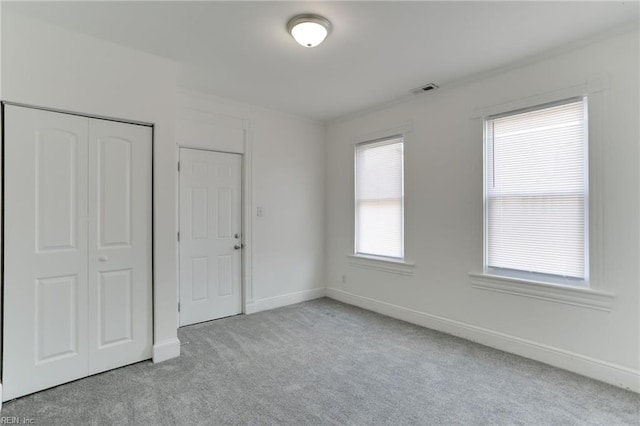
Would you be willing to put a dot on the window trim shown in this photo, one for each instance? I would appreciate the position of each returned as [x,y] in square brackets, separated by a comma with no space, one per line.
[379,263]
[568,295]
[597,88]
[522,276]
[536,107]
[372,256]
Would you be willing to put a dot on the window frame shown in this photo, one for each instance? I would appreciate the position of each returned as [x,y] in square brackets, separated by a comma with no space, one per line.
[599,295]
[369,259]
[522,276]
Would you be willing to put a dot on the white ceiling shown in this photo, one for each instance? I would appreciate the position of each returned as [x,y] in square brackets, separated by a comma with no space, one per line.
[375,53]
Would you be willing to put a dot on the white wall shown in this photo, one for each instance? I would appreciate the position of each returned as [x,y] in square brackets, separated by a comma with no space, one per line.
[445,208]
[47,66]
[287,180]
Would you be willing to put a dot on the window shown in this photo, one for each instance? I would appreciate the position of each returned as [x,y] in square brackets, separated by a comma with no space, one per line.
[536,193]
[379,198]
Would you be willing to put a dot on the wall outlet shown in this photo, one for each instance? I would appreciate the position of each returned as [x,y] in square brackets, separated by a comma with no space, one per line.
[344,279]
[259,211]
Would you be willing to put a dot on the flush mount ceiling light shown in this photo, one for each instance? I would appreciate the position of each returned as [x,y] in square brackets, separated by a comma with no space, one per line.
[309,30]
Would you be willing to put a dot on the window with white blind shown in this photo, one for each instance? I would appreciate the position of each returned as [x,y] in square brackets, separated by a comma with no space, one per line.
[536,193]
[379,198]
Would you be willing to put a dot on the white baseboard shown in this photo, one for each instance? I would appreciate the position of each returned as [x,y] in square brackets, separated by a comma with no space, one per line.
[607,372]
[250,308]
[166,349]
[284,300]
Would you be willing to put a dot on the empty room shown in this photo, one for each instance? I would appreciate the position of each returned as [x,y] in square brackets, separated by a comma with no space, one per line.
[320,213]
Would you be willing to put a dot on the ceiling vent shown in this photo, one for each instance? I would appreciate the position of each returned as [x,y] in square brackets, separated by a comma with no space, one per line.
[425,88]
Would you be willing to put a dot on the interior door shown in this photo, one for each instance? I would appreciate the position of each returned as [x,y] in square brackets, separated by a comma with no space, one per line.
[119,244]
[210,240]
[45,250]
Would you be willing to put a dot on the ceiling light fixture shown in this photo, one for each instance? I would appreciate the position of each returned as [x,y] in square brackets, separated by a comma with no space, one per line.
[309,30]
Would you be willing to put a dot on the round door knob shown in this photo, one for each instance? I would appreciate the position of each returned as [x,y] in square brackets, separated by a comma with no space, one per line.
[103,258]
[238,246]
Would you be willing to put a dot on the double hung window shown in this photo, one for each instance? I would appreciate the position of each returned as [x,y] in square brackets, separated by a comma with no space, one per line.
[536,193]
[379,198]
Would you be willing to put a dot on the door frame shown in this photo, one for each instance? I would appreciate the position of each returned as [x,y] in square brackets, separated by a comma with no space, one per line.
[3,104]
[246,215]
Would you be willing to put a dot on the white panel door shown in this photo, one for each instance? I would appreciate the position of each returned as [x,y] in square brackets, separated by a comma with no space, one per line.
[77,247]
[119,244]
[45,276]
[210,241]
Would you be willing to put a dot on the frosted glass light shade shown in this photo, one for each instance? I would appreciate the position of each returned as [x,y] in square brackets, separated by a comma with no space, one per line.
[308,30]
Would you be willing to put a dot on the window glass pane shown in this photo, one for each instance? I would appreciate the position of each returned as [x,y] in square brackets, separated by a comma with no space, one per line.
[379,198]
[536,190]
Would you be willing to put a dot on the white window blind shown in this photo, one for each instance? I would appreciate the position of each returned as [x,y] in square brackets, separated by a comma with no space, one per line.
[379,198]
[536,190]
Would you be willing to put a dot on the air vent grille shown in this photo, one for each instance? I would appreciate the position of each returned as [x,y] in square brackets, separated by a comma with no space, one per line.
[426,88]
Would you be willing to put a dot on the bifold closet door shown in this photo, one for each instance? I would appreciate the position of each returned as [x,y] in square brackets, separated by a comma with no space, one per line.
[45,250]
[119,244]
[77,248]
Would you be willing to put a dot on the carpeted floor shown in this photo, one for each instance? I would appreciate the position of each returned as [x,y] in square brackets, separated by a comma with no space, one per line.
[326,363]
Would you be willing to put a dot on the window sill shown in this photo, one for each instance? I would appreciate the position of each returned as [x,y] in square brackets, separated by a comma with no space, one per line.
[575,296]
[399,267]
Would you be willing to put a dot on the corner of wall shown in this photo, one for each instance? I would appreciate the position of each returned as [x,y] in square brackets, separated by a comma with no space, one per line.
[284,300]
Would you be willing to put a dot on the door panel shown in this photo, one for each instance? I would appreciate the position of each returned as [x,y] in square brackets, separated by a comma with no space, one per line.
[225,212]
[114,191]
[119,244]
[225,275]
[56,166]
[199,214]
[199,278]
[56,318]
[210,201]
[45,249]
[115,307]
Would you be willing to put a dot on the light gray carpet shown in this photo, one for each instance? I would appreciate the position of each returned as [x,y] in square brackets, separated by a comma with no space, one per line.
[326,363]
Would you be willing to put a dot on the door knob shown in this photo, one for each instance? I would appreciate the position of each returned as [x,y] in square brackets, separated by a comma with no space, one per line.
[103,258]
[238,246]
[236,236]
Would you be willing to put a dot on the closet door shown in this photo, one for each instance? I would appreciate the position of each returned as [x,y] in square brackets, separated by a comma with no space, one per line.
[45,250]
[77,248]
[119,244]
